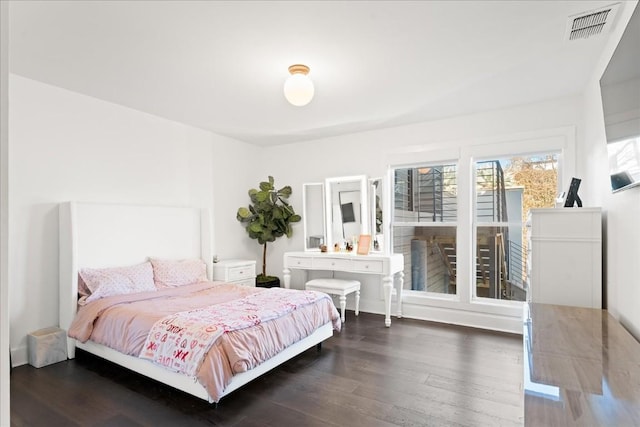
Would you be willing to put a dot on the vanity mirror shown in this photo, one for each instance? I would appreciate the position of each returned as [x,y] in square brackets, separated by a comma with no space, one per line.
[313,212]
[375,214]
[347,209]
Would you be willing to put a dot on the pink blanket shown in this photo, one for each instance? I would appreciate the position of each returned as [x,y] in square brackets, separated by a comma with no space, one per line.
[123,323]
[180,341]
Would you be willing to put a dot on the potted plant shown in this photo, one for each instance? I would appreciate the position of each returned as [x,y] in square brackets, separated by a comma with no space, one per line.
[268,217]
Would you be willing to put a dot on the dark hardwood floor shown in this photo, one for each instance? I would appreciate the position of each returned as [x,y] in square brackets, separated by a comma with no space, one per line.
[413,374]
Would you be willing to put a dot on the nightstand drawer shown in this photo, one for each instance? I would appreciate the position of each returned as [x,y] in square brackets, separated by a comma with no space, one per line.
[251,282]
[241,272]
[234,270]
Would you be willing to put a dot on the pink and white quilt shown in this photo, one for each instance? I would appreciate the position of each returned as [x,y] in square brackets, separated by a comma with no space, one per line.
[180,341]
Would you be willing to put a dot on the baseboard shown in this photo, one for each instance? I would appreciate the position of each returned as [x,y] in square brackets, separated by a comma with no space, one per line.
[19,356]
[471,318]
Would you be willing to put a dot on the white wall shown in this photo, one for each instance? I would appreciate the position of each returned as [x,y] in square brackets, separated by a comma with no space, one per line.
[4,162]
[622,210]
[235,171]
[66,146]
[369,152]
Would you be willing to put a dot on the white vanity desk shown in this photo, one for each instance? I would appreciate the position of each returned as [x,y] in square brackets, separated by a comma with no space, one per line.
[390,267]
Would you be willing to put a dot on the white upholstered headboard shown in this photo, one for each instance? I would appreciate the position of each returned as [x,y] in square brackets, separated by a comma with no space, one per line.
[108,235]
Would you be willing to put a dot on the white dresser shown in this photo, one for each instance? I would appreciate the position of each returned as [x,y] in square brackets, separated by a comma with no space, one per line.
[565,256]
[388,267]
[238,271]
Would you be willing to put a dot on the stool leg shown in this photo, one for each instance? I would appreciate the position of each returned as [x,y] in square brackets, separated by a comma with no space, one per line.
[357,302]
[343,305]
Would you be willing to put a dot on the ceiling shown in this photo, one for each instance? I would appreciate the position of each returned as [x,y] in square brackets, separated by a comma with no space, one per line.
[221,66]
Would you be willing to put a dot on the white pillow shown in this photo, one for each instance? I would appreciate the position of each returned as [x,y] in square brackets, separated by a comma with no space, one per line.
[173,273]
[106,282]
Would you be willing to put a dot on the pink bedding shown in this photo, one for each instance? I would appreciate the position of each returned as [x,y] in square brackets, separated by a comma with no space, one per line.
[123,322]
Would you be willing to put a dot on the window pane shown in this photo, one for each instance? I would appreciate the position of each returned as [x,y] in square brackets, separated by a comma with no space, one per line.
[403,193]
[430,257]
[505,191]
[500,263]
[491,203]
[426,194]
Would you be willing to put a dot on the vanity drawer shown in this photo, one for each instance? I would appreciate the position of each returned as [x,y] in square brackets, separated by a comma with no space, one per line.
[332,264]
[299,262]
[367,266]
[241,272]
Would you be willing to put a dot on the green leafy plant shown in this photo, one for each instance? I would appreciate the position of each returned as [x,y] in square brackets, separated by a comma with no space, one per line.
[268,217]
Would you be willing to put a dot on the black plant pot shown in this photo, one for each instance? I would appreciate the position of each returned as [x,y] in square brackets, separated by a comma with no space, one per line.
[267,282]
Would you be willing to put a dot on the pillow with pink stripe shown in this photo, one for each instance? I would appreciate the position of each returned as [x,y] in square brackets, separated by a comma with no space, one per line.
[172,273]
[106,282]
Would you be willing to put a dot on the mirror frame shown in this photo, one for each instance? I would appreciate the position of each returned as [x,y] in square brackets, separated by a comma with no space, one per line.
[372,193]
[364,205]
[305,214]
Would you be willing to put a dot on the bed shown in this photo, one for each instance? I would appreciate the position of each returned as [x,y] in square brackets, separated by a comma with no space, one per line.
[109,235]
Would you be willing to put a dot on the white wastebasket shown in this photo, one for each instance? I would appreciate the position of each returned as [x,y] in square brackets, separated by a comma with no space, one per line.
[47,346]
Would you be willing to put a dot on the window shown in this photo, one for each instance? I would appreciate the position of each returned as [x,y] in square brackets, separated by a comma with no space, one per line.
[506,189]
[424,220]
[469,255]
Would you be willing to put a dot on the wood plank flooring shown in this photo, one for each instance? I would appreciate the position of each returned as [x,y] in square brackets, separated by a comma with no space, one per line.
[413,374]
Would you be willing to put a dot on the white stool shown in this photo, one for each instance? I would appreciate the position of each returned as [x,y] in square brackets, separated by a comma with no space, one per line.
[337,287]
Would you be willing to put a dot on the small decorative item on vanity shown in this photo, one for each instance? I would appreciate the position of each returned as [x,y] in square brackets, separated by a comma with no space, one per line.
[323,248]
[364,242]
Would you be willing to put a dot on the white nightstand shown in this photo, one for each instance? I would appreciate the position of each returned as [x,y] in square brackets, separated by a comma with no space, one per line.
[238,271]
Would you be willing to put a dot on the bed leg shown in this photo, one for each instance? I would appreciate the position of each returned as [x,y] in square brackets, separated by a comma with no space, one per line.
[319,347]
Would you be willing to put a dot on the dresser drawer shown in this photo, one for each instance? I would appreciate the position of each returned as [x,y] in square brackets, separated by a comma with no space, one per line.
[367,266]
[241,272]
[332,264]
[299,262]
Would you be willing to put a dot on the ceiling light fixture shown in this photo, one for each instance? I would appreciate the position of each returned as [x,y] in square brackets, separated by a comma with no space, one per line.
[298,89]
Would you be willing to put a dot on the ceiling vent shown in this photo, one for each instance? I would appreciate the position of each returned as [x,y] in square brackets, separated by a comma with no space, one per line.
[591,23]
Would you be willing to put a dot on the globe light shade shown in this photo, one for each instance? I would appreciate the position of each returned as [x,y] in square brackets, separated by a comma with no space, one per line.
[298,89]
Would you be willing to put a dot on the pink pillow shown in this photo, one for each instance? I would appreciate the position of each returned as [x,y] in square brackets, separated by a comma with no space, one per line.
[172,273]
[106,282]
